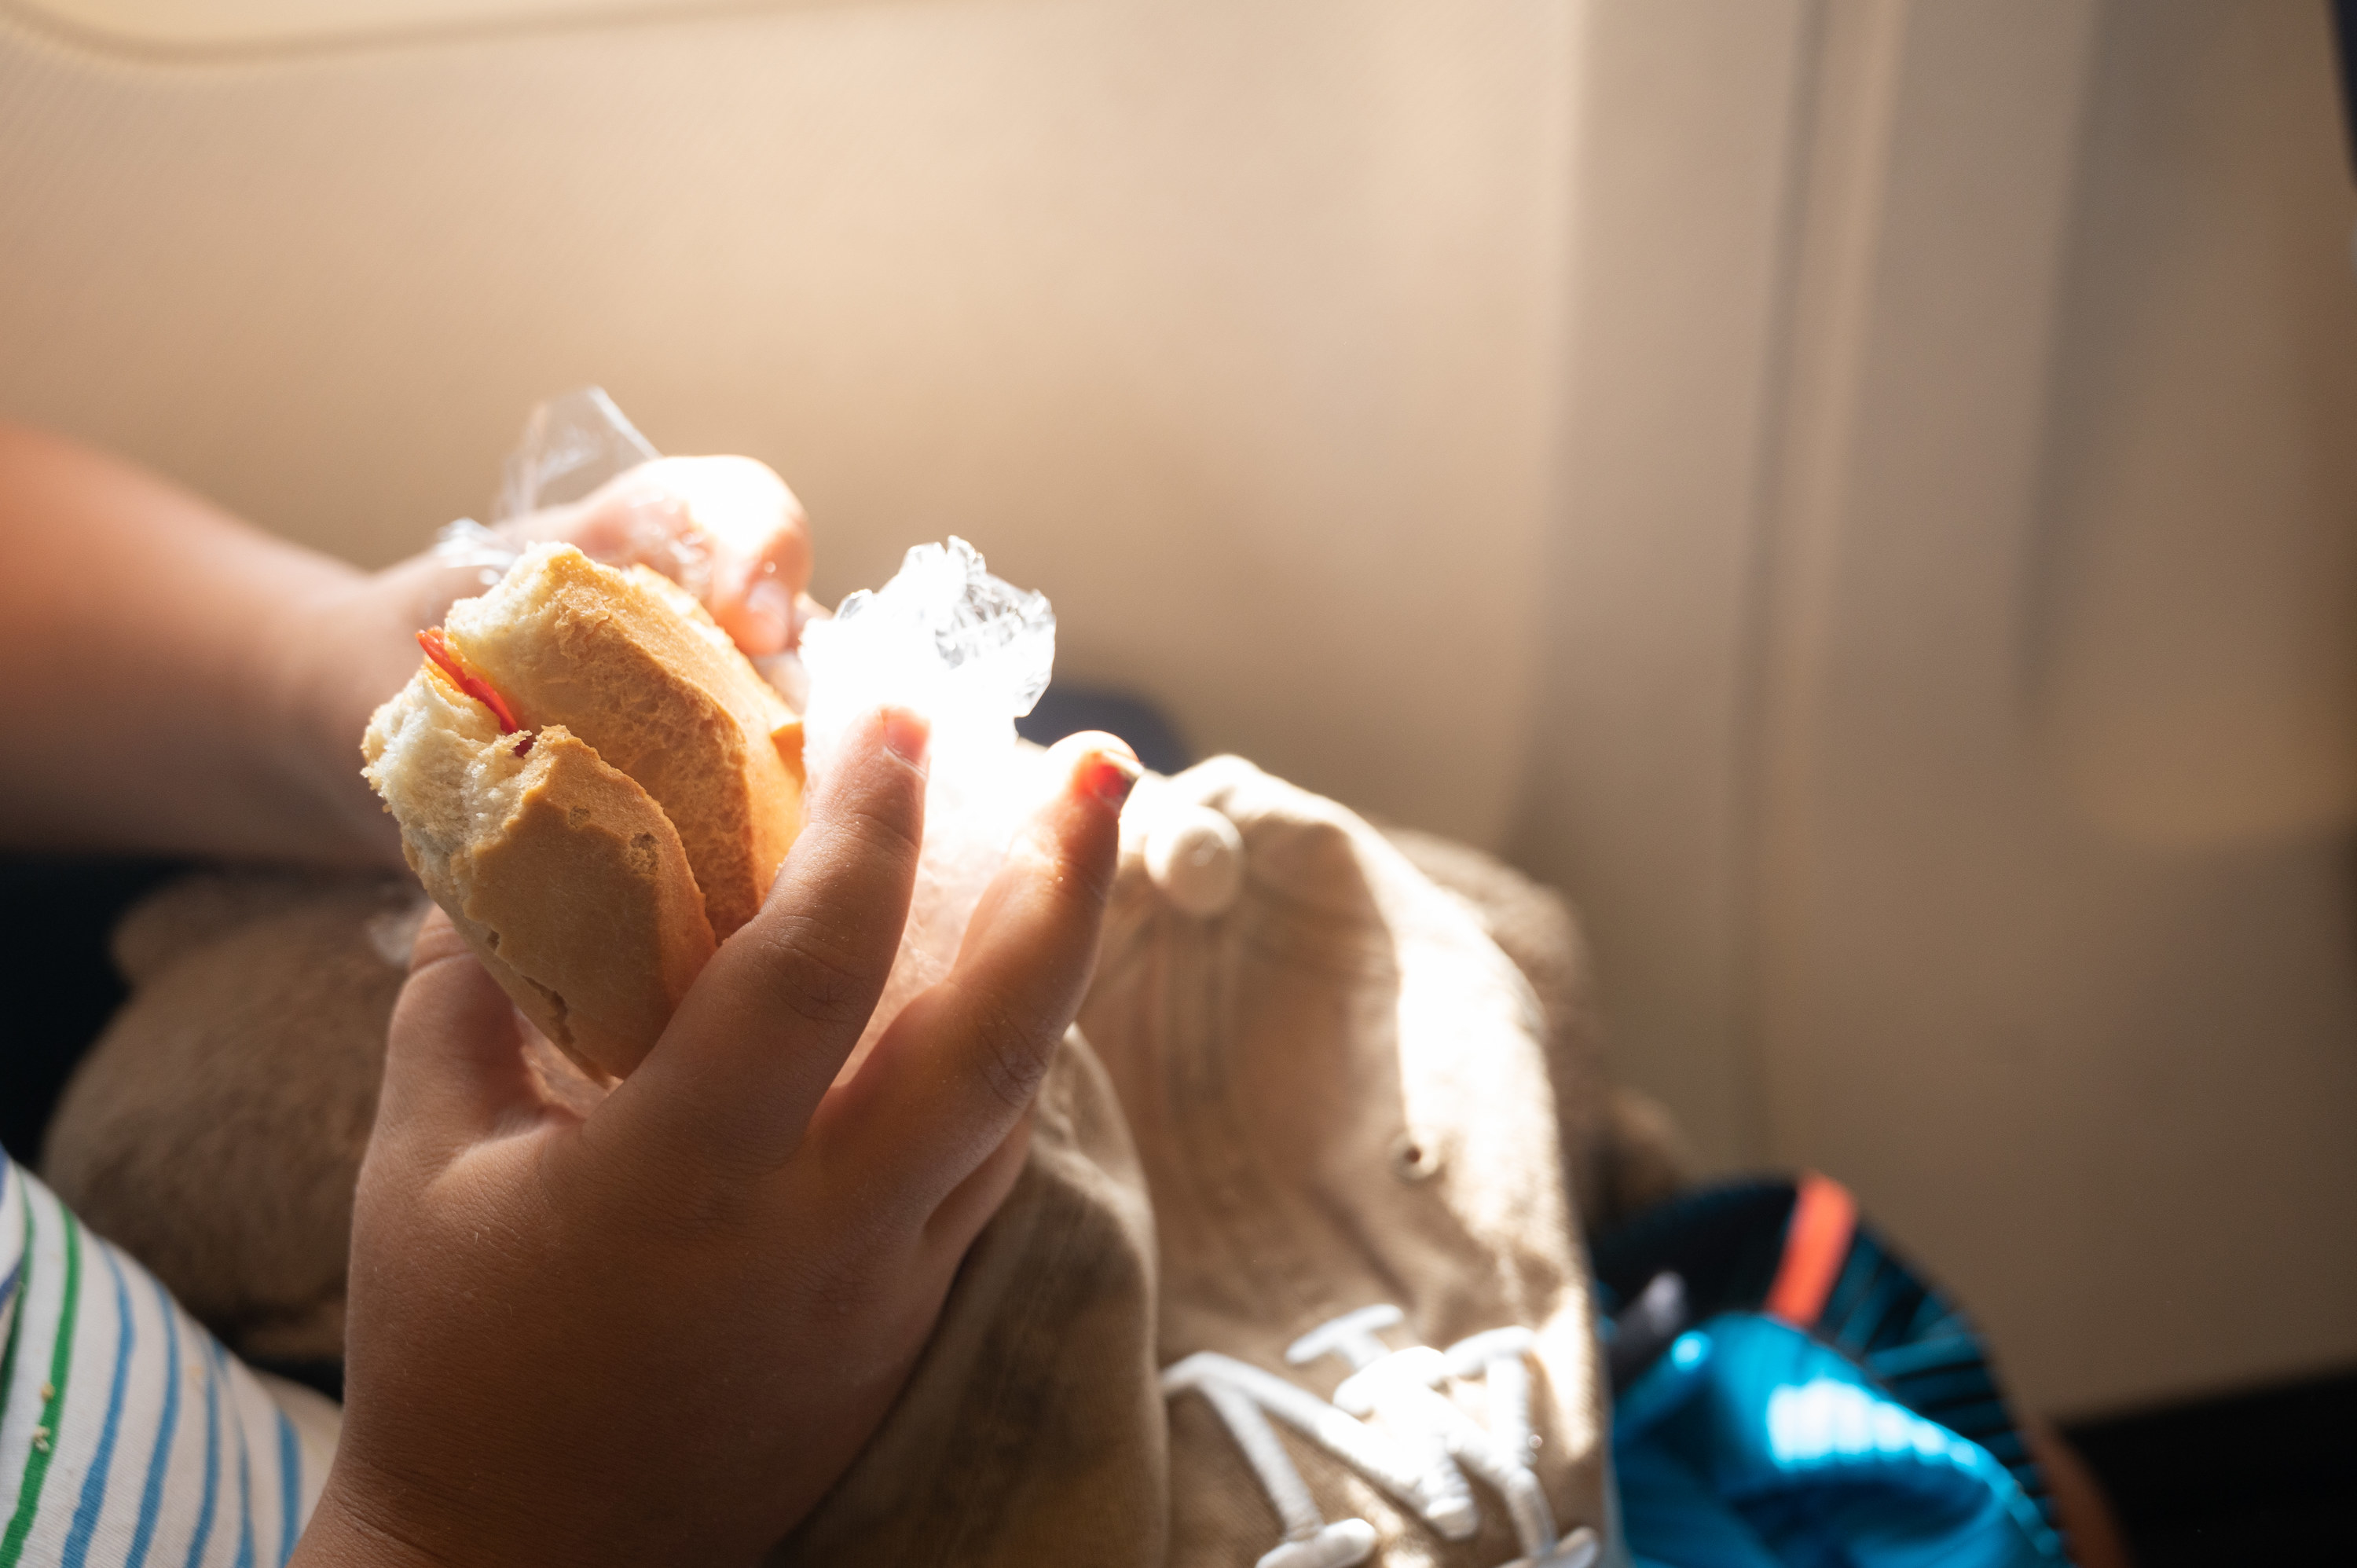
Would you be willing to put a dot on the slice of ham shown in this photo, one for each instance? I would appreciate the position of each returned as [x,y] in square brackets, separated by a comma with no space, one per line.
[472,684]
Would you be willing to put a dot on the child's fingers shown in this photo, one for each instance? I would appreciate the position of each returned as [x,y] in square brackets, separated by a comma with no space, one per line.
[757,538]
[454,1068]
[758,582]
[766,1025]
[728,523]
[960,1216]
[956,1071]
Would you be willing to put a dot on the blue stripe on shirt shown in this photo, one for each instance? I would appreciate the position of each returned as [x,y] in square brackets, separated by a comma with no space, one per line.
[93,1481]
[212,1463]
[290,1496]
[244,1480]
[151,1496]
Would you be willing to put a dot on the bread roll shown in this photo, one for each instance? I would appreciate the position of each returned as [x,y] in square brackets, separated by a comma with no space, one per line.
[595,857]
[632,666]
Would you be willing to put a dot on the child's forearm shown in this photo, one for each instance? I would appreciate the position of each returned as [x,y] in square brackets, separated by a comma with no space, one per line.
[178,681]
[157,696]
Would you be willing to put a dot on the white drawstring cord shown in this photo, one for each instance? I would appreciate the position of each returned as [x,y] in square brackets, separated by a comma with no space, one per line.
[1413,1455]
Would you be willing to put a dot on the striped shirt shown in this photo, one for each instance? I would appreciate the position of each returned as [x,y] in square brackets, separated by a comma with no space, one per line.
[128,1435]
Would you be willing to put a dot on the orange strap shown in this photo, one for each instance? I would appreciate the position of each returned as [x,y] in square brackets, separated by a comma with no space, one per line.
[1816,1240]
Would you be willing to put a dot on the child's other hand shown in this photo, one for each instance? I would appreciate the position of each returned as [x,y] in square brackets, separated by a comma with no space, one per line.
[726,526]
[658,1334]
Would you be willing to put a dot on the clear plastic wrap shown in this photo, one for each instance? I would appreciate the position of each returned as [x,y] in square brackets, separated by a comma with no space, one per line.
[571,446]
[945,638]
[972,654]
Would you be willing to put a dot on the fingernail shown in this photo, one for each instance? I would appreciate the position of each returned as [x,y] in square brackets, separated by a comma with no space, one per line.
[907,735]
[771,609]
[1112,775]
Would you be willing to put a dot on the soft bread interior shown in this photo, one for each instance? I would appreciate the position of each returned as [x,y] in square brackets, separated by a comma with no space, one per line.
[638,671]
[433,754]
[562,874]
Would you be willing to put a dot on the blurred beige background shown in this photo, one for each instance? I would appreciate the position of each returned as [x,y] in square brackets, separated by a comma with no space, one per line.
[1862,492]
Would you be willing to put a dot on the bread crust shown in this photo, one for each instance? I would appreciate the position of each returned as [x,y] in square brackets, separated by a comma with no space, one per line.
[594,861]
[562,873]
[663,696]
[582,906]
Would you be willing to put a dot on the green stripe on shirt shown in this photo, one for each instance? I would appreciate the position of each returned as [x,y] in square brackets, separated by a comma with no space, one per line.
[45,1440]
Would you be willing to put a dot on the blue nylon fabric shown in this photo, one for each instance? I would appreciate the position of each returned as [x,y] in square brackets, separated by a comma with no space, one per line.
[1749,1444]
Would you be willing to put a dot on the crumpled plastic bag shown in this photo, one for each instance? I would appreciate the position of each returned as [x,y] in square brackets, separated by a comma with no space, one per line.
[972,654]
[571,446]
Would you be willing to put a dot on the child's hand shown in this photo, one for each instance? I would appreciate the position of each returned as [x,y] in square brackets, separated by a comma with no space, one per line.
[658,1334]
[727,527]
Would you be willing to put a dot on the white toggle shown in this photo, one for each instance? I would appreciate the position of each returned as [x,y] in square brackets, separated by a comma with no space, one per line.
[1197,857]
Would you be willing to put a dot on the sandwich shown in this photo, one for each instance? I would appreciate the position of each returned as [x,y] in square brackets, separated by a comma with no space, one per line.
[596,785]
